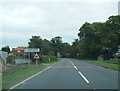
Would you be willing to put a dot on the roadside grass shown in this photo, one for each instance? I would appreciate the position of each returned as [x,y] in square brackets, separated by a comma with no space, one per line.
[112,64]
[17,75]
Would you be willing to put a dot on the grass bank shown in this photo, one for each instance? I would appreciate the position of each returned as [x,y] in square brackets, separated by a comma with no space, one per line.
[14,76]
[112,64]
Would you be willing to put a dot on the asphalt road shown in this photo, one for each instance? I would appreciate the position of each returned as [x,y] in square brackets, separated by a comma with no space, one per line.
[73,74]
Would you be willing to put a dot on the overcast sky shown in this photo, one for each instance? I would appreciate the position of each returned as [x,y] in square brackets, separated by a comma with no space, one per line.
[21,20]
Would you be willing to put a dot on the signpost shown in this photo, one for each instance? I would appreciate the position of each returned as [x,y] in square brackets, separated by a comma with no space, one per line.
[31,50]
[36,57]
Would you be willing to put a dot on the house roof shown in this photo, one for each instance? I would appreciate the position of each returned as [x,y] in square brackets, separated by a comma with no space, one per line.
[19,48]
[11,53]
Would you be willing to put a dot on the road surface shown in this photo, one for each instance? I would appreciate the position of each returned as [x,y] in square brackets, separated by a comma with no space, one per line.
[73,74]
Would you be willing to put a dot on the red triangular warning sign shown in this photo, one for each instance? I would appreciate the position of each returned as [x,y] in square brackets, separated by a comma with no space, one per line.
[36,56]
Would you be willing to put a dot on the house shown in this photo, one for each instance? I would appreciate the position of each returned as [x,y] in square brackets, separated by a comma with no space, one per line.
[19,51]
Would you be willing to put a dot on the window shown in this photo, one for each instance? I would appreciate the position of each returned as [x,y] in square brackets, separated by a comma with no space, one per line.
[18,51]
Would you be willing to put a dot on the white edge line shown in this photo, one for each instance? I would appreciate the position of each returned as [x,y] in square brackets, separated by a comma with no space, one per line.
[84,77]
[29,78]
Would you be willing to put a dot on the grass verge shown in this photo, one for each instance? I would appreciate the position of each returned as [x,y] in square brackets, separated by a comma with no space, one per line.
[17,75]
[112,64]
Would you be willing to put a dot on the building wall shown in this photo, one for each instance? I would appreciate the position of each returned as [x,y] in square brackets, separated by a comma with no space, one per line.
[18,52]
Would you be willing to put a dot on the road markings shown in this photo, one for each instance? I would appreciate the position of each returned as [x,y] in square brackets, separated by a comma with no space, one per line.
[71,62]
[30,78]
[75,67]
[83,77]
[80,73]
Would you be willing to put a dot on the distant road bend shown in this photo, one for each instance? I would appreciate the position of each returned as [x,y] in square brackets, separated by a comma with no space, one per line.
[72,74]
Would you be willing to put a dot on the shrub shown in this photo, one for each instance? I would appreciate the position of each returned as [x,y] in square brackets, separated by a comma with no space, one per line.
[48,58]
[53,58]
[44,59]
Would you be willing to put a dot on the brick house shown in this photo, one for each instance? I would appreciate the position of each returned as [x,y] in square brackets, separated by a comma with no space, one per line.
[19,51]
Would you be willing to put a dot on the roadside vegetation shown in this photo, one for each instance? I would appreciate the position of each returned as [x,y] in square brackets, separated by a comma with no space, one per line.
[97,40]
[112,64]
[16,74]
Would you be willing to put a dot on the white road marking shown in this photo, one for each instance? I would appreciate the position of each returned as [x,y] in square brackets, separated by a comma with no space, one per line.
[84,77]
[80,73]
[75,67]
[29,78]
[71,62]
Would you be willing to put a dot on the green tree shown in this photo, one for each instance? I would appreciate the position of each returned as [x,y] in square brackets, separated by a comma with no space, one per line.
[65,49]
[6,49]
[74,48]
[35,42]
[110,37]
[89,45]
[56,44]
[46,48]
[98,39]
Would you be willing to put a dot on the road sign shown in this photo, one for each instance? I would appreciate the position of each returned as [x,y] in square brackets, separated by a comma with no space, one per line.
[36,56]
[31,50]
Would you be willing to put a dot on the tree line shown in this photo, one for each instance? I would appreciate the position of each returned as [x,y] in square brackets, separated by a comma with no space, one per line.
[97,39]
[52,47]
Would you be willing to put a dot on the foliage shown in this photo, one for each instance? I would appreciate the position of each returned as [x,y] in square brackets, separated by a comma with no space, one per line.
[11,59]
[52,47]
[6,49]
[97,39]
[56,44]
[53,58]
[45,59]
[13,75]
[112,64]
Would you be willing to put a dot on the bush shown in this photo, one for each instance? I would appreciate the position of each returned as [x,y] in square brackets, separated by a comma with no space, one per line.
[53,58]
[44,59]
[48,58]
[11,59]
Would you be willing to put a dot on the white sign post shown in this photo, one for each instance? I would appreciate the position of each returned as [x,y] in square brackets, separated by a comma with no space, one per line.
[36,57]
[30,50]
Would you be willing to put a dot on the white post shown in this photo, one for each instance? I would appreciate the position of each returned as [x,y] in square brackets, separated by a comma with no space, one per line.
[36,62]
[29,59]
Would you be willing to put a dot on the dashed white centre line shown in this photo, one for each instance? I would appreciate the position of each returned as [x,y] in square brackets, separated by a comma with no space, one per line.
[71,62]
[83,77]
[80,73]
[75,67]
